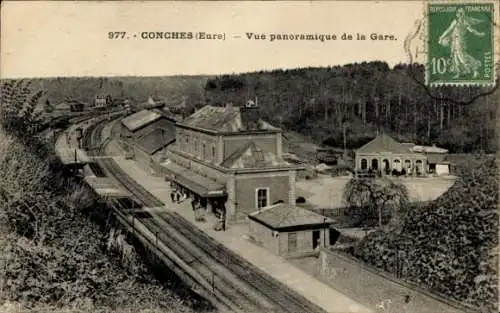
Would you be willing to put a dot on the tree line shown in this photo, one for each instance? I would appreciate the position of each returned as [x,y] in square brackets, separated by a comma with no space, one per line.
[365,99]
[355,101]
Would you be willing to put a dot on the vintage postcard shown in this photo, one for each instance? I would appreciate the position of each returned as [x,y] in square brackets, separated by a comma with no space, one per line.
[249,156]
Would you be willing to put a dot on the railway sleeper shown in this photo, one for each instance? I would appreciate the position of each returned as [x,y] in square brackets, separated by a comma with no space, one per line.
[184,271]
[217,281]
[213,264]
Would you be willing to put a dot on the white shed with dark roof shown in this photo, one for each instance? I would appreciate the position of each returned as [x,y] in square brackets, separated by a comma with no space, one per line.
[290,231]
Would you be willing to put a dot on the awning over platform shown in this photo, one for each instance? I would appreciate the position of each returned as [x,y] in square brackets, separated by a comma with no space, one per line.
[193,181]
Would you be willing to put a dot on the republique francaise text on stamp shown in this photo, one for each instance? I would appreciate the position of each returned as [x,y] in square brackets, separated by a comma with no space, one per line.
[460,44]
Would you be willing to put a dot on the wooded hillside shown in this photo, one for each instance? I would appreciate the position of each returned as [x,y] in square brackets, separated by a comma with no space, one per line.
[62,250]
[319,102]
[365,98]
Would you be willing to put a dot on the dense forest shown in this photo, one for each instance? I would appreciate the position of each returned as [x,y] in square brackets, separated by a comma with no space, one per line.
[323,103]
[365,99]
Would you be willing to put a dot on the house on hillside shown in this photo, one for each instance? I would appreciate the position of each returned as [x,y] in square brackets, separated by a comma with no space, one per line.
[146,132]
[384,155]
[70,105]
[290,231]
[100,102]
[229,160]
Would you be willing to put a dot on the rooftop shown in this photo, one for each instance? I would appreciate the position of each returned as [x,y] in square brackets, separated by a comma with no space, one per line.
[252,156]
[385,143]
[225,119]
[284,215]
[429,149]
[202,185]
[140,119]
[149,142]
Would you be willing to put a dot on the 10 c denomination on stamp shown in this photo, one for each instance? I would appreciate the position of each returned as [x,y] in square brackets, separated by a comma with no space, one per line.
[460,44]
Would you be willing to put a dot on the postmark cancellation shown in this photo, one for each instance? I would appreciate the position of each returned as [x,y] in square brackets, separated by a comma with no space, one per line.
[461,43]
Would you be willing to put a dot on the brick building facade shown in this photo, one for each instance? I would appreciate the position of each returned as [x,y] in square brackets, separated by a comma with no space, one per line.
[230,160]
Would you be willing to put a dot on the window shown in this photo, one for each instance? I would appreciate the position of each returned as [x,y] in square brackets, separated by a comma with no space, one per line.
[262,197]
[407,163]
[292,242]
[364,164]
[213,154]
[419,167]
[375,164]
[203,151]
[259,155]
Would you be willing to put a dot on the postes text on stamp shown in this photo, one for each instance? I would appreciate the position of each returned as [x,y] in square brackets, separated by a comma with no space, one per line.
[460,44]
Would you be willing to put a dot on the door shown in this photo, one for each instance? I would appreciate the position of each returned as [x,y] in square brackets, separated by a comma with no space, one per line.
[334,236]
[316,238]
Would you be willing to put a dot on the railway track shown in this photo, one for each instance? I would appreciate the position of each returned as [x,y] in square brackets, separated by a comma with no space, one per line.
[230,295]
[281,295]
[246,287]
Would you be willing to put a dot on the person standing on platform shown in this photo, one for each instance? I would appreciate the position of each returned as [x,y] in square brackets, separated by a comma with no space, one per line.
[177,197]
[223,221]
[172,196]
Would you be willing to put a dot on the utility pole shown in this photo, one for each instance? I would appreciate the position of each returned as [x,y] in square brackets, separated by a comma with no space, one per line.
[324,232]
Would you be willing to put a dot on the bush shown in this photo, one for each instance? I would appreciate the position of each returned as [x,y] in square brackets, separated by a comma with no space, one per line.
[450,244]
[54,256]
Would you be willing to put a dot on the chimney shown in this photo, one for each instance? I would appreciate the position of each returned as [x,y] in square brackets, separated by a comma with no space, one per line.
[250,117]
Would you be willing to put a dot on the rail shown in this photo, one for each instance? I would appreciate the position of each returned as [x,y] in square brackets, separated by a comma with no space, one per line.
[230,279]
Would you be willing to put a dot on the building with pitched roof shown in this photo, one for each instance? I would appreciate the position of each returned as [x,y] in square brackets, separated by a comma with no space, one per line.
[385,154]
[437,159]
[146,132]
[290,231]
[230,160]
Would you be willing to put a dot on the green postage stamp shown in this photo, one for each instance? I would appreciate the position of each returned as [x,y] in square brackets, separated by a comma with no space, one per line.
[460,44]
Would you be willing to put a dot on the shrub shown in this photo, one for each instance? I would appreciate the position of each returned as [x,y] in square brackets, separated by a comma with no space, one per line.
[450,244]
[54,256]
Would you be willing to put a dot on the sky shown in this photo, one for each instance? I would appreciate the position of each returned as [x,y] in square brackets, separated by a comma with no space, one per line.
[49,39]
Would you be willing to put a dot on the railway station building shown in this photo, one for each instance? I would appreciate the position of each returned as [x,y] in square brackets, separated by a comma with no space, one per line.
[146,132]
[291,231]
[384,154]
[230,160]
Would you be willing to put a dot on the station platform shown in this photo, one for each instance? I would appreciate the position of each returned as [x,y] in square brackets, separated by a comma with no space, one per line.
[67,148]
[234,238]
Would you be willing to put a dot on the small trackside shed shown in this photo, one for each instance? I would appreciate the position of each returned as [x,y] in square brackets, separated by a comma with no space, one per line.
[290,231]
